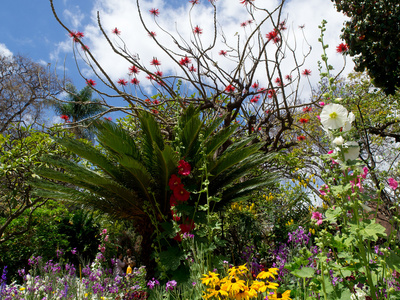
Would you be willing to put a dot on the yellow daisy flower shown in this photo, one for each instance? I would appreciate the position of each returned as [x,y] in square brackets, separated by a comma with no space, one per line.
[233,285]
[217,292]
[245,294]
[210,279]
[239,270]
[258,286]
[284,296]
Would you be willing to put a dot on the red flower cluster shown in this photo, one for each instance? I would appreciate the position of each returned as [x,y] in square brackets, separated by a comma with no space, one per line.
[197,30]
[155,62]
[185,61]
[76,35]
[184,168]
[64,117]
[301,138]
[273,35]
[230,89]
[303,120]
[90,82]
[255,85]
[342,48]
[307,109]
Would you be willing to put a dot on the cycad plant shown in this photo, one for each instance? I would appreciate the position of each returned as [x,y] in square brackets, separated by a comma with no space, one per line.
[130,177]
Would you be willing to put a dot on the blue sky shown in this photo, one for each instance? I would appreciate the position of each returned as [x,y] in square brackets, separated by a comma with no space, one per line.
[28,27]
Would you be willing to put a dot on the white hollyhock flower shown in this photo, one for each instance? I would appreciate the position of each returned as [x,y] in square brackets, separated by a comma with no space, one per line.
[347,124]
[338,141]
[351,150]
[334,116]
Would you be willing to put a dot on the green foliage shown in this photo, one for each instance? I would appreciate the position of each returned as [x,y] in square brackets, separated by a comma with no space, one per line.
[372,37]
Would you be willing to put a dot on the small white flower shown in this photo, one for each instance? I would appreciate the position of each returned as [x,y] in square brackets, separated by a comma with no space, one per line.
[351,150]
[334,116]
[347,124]
[338,141]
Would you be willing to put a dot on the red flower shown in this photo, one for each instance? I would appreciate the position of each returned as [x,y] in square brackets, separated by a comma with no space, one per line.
[288,77]
[194,1]
[150,77]
[307,109]
[262,90]
[135,81]
[154,111]
[230,89]
[156,102]
[342,48]
[64,117]
[278,81]
[180,193]
[222,52]
[184,168]
[108,118]
[303,120]
[243,24]
[255,99]
[271,93]
[301,138]
[134,70]
[255,85]
[116,31]
[152,34]
[273,35]
[192,69]
[282,25]
[197,30]
[90,82]
[184,61]
[174,181]
[79,35]
[306,72]
[187,226]
[154,12]
[122,82]
[155,62]
[159,73]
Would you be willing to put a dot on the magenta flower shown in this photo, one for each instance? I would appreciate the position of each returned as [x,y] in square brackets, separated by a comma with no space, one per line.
[393,183]
[316,215]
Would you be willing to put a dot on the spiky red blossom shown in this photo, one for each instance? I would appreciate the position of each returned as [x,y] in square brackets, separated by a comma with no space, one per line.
[223,52]
[159,73]
[197,30]
[192,69]
[301,138]
[154,111]
[303,120]
[255,85]
[306,72]
[150,77]
[271,93]
[90,82]
[152,34]
[122,82]
[288,77]
[342,48]
[155,62]
[135,81]
[230,88]
[272,35]
[262,90]
[278,81]
[154,12]
[307,109]
[243,24]
[64,117]
[116,31]
[134,70]
[79,35]
[184,61]
[255,99]
[155,102]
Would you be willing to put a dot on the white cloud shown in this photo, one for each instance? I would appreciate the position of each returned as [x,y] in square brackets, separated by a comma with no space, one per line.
[175,20]
[74,17]
[4,50]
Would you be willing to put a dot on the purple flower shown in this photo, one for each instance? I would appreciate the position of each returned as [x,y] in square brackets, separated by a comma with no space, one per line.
[73,251]
[59,252]
[152,283]
[170,285]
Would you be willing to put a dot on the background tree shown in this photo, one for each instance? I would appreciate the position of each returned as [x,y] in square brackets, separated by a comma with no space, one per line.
[372,36]
[79,108]
[25,87]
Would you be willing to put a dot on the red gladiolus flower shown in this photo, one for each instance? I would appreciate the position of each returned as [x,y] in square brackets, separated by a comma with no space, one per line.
[116,31]
[230,89]
[192,69]
[152,34]
[306,72]
[197,30]
[64,117]
[174,181]
[134,70]
[301,138]
[342,48]
[223,52]
[90,82]
[122,82]
[135,81]
[155,62]
[303,120]
[180,193]
[154,12]
[184,168]
[184,61]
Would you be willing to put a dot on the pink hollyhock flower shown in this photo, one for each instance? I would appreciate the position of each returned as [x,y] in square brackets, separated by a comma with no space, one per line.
[324,189]
[393,183]
[316,215]
[365,172]
[184,168]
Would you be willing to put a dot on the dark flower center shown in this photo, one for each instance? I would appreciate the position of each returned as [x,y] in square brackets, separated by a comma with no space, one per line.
[233,280]
[217,287]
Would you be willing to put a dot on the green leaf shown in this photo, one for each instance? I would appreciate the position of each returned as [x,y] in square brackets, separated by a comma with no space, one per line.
[171,258]
[393,261]
[305,272]
[373,231]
